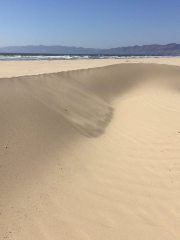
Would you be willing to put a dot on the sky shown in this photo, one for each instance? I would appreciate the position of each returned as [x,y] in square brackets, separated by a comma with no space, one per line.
[89,23]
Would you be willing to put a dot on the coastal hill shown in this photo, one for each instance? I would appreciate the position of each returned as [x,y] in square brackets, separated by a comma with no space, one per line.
[41,49]
[153,49]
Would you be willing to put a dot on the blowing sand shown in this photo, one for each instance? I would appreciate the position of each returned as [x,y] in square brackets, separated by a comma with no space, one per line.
[92,153]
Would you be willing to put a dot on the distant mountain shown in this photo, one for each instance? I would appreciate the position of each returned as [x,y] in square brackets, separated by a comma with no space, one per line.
[154,49]
[49,50]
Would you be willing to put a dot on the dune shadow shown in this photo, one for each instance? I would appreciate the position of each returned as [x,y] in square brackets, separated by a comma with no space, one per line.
[83,109]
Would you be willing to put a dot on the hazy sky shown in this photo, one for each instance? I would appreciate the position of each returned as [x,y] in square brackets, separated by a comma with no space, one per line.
[89,23]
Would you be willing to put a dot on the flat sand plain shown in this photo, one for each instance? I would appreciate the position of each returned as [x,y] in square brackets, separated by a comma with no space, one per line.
[90,149]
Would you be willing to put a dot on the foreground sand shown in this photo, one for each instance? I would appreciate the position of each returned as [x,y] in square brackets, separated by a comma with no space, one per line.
[90,154]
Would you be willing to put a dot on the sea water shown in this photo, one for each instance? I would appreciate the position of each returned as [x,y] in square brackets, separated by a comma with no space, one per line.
[26,57]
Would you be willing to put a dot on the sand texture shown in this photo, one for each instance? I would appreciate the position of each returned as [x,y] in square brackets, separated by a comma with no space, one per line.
[92,153]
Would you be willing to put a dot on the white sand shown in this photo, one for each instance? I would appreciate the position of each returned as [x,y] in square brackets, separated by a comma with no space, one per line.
[90,154]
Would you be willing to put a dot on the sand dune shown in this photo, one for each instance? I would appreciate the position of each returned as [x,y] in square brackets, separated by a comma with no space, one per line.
[91,154]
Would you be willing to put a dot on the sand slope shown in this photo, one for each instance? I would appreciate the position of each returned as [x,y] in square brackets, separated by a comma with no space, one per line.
[91,154]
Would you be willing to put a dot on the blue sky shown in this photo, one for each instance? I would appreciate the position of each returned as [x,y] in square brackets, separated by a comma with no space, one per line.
[89,23]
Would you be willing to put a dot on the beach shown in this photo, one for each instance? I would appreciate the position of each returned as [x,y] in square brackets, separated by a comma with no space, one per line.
[89,149]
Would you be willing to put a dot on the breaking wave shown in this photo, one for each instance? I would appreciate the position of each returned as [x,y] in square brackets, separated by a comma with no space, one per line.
[30,57]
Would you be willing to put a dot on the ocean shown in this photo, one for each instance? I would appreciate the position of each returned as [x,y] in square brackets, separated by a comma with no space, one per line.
[30,57]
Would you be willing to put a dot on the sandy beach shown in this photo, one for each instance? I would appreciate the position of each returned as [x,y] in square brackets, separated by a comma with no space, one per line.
[90,149]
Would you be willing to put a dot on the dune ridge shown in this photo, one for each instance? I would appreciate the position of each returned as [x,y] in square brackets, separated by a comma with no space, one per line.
[91,154]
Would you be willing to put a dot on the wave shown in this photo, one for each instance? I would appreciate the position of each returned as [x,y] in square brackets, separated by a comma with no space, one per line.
[24,57]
